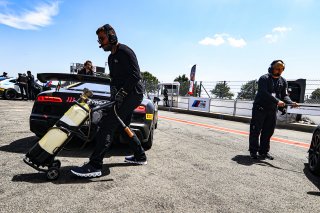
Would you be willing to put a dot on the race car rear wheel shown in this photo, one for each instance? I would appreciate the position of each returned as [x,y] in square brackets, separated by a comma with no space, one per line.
[314,154]
[147,145]
[10,94]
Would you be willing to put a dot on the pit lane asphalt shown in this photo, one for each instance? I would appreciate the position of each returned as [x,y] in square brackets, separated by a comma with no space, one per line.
[191,168]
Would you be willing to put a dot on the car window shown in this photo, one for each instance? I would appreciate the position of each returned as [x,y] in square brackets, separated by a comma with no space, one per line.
[99,88]
[13,81]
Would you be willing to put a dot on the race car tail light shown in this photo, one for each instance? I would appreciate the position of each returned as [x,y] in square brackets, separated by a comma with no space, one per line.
[140,109]
[49,99]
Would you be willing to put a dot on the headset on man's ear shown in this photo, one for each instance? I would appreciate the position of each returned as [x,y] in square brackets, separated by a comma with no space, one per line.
[112,37]
[270,69]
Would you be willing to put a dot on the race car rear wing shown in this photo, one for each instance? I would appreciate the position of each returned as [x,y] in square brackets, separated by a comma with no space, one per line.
[44,77]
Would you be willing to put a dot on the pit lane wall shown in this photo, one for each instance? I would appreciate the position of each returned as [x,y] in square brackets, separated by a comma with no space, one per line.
[237,110]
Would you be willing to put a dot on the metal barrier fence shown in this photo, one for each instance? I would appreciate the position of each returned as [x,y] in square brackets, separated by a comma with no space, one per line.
[236,97]
[238,108]
[243,90]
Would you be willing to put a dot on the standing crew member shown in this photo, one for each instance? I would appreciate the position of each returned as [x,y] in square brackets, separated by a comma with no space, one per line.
[127,91]
[166,98]
[272,93]
[23,85]
[31,88]
[87,69]
[4,75]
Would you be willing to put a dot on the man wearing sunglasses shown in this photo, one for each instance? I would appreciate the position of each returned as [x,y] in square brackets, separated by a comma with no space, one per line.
[127,91]
[272,93]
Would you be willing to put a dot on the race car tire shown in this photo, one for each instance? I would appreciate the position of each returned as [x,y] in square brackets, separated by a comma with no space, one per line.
[147,145]
[314,154]
[10,94]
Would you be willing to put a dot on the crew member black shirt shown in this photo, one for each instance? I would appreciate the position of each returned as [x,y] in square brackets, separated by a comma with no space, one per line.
[271,91]
[124,70]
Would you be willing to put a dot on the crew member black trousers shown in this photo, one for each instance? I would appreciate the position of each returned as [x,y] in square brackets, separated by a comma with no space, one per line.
[109,124]
[31,92]
[24,91]
[263,123]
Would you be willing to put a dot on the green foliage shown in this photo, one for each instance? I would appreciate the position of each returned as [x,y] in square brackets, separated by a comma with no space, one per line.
[182,78]
[150,81]
[196,89]
[184,84]
[248,90]
[315,94]
[222,90]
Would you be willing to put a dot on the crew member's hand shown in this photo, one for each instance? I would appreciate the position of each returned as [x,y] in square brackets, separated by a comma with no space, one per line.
[281,104]
[113,92]
[295,104]
[121,94]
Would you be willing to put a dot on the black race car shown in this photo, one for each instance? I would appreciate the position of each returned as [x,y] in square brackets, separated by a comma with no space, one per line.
[50,106]
[314,152]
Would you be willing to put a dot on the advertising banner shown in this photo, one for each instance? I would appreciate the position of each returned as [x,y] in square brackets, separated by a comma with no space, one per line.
[200,104]
[192,77]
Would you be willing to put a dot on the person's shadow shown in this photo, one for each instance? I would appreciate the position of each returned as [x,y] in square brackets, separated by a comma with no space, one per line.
[314,179]
[66,177]
[246,160]
[74,149]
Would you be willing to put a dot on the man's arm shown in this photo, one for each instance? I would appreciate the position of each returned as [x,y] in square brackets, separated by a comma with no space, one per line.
[285,95]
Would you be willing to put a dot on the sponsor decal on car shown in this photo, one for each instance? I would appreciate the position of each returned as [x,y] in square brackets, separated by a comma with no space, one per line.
[149,116]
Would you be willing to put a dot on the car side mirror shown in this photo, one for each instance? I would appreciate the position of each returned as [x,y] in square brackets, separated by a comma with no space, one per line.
[156,99]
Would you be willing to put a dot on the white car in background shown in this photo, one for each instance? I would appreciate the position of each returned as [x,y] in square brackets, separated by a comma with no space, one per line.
[9,89]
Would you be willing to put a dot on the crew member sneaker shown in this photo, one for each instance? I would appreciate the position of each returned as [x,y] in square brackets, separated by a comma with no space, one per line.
[266,156]
[87,171]
[132,159]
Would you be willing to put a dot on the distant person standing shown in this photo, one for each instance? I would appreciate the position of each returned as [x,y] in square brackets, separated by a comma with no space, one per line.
[87,68]
[272,93]
[4,75]
[31,88]
[23,85]
[166,98]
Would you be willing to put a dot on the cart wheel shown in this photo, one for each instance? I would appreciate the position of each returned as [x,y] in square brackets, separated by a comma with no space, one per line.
[53,173]
[56,163]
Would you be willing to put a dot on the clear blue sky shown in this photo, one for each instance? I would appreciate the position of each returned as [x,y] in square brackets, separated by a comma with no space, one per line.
[227,39]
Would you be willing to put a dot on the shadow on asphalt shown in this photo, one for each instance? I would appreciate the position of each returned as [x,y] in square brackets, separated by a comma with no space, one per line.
[247,161]
[73,148]
[66,177]
[23,145]
[313,179]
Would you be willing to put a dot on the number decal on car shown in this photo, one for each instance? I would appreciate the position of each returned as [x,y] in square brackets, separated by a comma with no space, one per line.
[149,116]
